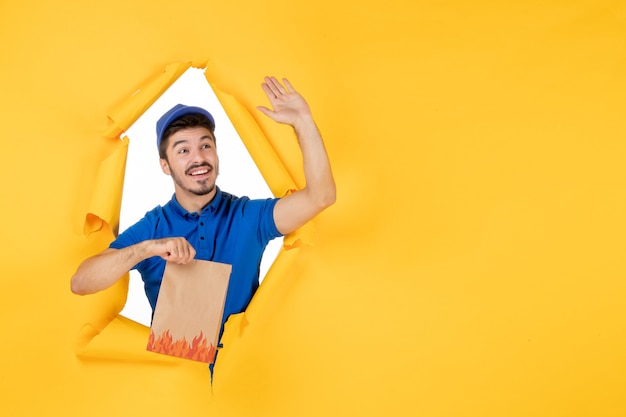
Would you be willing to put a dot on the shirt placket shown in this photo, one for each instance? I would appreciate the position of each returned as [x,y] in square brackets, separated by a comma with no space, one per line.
[205,243]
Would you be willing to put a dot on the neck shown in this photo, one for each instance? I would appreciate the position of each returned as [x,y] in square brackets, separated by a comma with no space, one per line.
[192,202]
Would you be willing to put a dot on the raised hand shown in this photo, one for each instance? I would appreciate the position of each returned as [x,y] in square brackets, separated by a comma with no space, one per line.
[297,208]
[288,106]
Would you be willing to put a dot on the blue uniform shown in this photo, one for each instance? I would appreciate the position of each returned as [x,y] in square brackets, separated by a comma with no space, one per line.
[231,230]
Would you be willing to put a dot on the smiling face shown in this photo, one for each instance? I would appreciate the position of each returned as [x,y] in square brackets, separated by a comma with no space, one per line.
[192,163]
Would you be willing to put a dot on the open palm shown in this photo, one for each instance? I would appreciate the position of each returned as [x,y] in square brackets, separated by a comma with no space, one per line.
[288,106]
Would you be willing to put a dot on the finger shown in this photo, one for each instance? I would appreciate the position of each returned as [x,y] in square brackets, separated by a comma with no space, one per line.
[183,252]
[274,85]
[170,256]
[289,86]
[279,86]
[269,113]
[174,256]
[187,252]
[192,254]
[176,250]
[180,258]
[268,91]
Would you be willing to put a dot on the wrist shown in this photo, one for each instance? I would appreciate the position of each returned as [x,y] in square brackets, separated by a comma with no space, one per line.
[304,123]
[144,250]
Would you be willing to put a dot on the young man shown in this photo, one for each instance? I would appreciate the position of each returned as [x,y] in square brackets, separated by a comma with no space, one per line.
[203,222]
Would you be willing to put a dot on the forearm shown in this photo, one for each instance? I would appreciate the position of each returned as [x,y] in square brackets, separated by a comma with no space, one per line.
[295,209]
[320,185]
[101,271]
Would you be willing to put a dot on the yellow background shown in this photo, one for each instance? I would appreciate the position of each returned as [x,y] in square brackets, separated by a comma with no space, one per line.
[472,266]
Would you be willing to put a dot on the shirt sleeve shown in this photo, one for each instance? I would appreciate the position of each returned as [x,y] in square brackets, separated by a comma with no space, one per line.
[262,213]
[140,231]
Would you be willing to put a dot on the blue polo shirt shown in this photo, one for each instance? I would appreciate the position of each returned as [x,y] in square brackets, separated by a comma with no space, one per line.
[231,230]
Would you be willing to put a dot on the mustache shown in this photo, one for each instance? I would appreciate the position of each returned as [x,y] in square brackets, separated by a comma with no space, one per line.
[204,164]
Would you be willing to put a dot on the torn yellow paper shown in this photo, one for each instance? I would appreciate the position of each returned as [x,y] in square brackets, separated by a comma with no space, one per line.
[128,111]
[106,197]
[476,249]
[261,151]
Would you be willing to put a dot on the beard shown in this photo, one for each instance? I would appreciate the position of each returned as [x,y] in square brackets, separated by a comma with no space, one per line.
[202,187]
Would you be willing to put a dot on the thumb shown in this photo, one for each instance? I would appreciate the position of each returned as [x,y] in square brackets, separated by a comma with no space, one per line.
[265,111]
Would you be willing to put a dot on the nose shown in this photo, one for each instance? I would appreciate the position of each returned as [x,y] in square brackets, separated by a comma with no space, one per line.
[196,155]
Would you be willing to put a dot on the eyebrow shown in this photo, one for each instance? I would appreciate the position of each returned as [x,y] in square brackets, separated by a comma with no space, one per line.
[178,142]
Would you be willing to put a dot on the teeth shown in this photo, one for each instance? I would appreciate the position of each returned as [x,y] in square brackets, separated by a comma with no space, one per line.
[204,171]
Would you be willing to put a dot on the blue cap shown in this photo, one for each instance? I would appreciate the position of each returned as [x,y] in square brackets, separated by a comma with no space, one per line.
[174,113]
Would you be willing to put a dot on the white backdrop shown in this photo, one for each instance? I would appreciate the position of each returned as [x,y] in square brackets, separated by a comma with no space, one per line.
[146,186]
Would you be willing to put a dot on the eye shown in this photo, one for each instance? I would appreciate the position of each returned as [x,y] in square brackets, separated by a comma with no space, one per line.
[182,150]
[206,146]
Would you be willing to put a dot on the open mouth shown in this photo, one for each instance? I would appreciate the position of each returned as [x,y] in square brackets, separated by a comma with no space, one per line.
[199,171]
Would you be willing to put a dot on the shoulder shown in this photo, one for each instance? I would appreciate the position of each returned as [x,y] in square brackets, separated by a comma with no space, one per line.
[231,198]
[139,231]
[154,216]
[151,219]
[231,202]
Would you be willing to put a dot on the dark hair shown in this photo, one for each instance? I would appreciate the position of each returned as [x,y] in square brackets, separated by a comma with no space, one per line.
[184,122]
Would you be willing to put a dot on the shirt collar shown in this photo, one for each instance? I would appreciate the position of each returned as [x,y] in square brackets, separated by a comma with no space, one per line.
[209,209]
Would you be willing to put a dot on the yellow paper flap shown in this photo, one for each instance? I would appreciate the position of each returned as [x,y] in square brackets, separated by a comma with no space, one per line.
[124,114]
[261,151]
[106,198]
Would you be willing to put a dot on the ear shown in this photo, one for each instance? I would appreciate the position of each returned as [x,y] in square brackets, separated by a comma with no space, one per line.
[165,167]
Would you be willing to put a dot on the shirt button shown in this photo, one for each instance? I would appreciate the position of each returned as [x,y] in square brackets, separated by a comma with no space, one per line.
[201,237]
[201,223]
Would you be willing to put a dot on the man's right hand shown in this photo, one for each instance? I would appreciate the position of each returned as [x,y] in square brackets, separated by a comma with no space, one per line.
[173,249]
[106,268]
